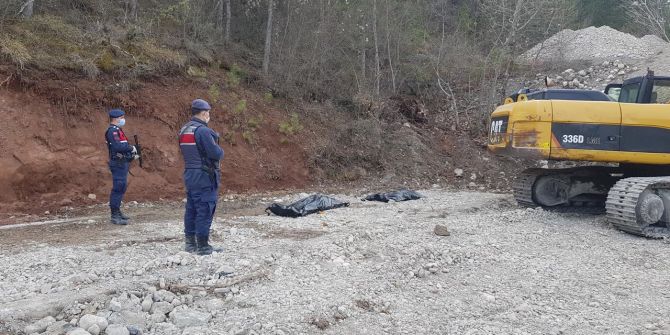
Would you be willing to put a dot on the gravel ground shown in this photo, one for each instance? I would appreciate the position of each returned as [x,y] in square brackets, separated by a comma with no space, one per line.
[371,268]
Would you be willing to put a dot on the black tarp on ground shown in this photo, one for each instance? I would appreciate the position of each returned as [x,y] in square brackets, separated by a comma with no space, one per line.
[402,195]
[312,204]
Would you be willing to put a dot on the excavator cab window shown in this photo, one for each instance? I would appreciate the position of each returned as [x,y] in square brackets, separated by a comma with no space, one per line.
[614,93]
[660,94]
[629,92]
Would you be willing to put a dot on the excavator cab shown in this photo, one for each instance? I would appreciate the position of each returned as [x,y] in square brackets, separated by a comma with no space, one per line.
[648,89]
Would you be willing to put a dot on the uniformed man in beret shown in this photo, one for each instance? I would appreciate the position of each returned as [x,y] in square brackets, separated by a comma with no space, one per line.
[121,153]
[202,177]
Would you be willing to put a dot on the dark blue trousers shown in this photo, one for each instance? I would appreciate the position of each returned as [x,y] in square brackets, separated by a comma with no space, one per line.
[200,208]
[119,183]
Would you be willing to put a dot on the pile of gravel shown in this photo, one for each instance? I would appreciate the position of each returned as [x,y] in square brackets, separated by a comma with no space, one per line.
[594,77]
[589,44]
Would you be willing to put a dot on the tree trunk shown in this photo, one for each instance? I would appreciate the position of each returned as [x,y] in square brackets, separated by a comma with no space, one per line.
[228,18]
[133,10]
[388,46]
[26,10]
[374,31]
[362,86]
[219,18]
[268,39]
[363,58]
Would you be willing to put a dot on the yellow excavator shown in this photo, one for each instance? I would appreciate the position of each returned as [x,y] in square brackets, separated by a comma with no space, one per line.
[626,139]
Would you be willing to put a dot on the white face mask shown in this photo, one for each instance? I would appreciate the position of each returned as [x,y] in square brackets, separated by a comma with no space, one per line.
[122,122]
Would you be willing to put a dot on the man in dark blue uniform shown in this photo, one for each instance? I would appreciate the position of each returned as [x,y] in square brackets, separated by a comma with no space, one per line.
[121,153]
[202,177]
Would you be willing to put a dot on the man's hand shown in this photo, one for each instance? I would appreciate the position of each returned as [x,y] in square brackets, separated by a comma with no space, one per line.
[136,157]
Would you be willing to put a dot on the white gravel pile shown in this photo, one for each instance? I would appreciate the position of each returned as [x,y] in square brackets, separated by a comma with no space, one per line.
[592,44]
[372,268]
[595,76]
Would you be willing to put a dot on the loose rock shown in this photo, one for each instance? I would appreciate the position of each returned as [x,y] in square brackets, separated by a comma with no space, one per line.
[78,331]
[164,328]
[441,230]
[40,326]
[183,318]
[161,307]
[225,270]
[115,306]
[146,304]
[59,328]
[89,320]
[164,295]
[134,330]
[94,330]
[117,329]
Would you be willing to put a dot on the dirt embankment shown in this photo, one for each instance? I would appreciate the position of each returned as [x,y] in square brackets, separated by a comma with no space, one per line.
[53,154]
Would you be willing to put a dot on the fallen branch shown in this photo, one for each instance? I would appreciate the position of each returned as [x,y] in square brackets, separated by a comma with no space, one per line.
[124,52]
[264,273]
[6,81]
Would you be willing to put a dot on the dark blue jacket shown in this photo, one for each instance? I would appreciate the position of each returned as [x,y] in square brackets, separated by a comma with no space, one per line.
[202,155]
[120,151]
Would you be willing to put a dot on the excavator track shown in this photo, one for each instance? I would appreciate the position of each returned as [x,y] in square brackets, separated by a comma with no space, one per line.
[525,183]
[523,187]
[625,200]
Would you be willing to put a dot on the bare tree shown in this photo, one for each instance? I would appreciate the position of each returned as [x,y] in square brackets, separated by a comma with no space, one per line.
[223,18]
[133,10]
[129,11]
[228,18]
[388,46]
[512,25]
[268,38]
[363,56]
[652,15]
[26,10]
[219,19]
[374,32]
[362,82]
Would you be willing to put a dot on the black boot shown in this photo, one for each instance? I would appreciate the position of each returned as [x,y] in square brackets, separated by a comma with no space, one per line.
[117,218]
[123,216]
[203,246]
[190,244]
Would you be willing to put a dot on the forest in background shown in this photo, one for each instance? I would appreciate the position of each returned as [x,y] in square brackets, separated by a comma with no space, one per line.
[386,87]
[351,52]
